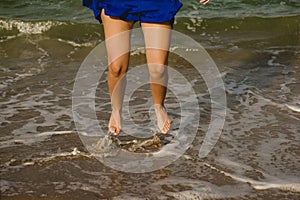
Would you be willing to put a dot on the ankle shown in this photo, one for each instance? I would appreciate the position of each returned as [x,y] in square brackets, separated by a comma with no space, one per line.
[158,105]
[119,111]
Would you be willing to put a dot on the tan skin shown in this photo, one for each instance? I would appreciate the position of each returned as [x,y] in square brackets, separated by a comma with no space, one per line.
[204,1]
[118,66]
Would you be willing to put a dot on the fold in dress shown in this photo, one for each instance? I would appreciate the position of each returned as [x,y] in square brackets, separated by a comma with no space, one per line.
[155,11]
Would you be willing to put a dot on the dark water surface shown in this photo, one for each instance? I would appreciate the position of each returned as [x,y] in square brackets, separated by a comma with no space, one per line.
[256,46]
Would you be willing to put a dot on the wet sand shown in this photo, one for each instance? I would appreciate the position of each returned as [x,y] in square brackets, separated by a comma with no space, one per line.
[257,156]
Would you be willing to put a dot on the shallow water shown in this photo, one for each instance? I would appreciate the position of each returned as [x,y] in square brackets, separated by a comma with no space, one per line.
[256,157]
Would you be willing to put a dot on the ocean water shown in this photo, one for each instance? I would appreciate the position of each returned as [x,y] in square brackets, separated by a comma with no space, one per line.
[256,47]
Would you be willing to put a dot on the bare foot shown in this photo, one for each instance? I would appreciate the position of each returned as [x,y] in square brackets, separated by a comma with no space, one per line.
[114,125]
[163,120]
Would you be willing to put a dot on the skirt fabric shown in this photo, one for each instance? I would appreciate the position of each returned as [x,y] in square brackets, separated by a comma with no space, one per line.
[155,11]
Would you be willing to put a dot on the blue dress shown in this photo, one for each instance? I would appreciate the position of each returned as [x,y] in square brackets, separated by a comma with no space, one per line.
[156,11]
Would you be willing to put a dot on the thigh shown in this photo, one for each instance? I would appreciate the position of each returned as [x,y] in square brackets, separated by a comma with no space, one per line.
[157,42]
[117,36]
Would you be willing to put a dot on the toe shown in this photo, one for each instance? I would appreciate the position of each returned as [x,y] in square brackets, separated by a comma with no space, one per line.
[166,127]
[163,120]
[117,131]
[112,129]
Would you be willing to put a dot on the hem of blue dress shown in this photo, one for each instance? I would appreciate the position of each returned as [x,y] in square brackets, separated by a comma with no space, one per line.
[97,9]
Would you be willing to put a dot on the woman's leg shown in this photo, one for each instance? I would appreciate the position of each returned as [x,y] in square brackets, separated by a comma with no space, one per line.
[117,38]
[157,41]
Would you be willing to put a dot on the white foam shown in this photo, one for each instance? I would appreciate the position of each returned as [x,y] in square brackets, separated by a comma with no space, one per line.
[74,44]
[294,107]
[28,27]
[50,133]
[74,153]
[262,185]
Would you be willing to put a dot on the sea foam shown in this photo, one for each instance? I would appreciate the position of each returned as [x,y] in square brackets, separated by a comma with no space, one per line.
[24,27]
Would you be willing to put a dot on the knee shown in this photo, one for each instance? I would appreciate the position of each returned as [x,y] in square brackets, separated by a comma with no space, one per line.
[117,69]
[157,71]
